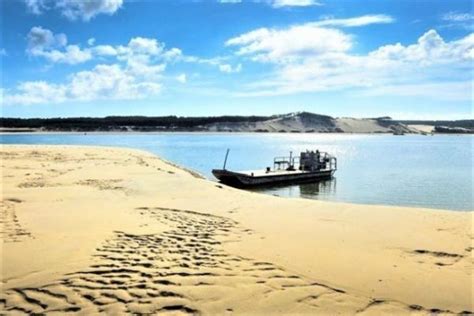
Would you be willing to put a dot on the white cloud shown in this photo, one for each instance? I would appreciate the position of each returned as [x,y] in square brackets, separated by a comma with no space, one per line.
[53,47]
[141,45]
[71,55]
[86,10]
[294,3]
[457,16]
[136,70]
[35,6]
[430,49]
[44,43]
[104,50]
[91,41]
[216,61]
[357,21]
[142,66]
[32,92]
[3,52]
[225,68]
[309,58]
[182,78]
[109,82]
[103,82]
[40,39]
[450,91]
[220,63]
[287,45]
[300,41]
[173,53]
[279,3]
[229,69]
[75,9]
[459,20]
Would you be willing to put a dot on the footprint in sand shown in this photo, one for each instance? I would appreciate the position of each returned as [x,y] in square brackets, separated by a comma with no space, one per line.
[185,270]
[439,258]
[11,229]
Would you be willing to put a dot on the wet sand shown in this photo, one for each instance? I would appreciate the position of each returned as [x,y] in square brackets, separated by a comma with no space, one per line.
[91,229]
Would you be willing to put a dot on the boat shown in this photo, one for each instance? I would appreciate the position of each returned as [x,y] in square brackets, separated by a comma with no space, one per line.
[309,166]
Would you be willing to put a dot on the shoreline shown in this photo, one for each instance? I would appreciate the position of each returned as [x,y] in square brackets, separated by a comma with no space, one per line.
[220,133]
[202,169]
[200,175]
[308,256]
[30,133]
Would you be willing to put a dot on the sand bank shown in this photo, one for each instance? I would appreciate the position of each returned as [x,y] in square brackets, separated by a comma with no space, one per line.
[89,229]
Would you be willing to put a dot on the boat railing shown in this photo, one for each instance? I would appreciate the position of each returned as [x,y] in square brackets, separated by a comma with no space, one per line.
[294,163]
[285,162]
[312,161]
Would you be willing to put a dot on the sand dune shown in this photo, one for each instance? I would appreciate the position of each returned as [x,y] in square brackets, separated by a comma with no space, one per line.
[89,230]
[304,122]
[296,122]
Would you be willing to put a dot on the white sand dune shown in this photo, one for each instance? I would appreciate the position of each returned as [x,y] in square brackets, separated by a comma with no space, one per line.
[302,122]
[89,230]
[423,128]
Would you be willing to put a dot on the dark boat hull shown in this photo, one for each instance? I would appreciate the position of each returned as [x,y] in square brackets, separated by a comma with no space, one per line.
[244,180]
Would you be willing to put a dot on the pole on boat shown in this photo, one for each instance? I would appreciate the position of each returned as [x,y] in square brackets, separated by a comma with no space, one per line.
[225,160]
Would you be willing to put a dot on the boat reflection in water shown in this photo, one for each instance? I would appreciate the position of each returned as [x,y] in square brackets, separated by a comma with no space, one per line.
[325,187]
[313,190]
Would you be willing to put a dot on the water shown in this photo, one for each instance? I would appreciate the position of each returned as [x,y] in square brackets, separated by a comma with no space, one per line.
[422,171]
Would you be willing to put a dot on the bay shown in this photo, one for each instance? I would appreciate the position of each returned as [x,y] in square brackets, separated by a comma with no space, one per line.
[415,170]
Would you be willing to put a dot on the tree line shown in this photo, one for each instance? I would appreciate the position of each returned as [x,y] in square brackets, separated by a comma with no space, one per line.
[124,122]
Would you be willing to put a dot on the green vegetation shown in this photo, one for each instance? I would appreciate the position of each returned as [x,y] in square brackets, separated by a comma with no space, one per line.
[311,122]
[124,123]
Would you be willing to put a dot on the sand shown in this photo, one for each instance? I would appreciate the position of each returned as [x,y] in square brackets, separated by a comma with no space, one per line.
[423,128]
[90,229]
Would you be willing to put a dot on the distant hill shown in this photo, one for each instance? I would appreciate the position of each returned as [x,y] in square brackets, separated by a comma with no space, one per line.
[457,123]
[305,122]
[442,127]
[299,122]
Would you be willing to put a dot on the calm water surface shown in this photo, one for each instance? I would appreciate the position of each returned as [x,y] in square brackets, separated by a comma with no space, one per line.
[424,171]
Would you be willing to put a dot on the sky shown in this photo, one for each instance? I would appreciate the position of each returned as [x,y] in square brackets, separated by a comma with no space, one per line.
[406,59]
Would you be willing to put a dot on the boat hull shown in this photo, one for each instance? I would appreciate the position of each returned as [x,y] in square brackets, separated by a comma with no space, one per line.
[238,179]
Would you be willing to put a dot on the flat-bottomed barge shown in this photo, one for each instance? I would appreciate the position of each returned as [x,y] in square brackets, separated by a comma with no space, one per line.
[310,166]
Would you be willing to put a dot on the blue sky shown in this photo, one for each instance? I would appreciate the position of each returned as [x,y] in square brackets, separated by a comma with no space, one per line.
[407,59]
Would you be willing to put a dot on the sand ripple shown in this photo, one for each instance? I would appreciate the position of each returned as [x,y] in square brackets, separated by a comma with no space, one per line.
[184,270]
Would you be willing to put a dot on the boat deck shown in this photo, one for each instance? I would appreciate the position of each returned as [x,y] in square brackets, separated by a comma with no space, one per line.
[264,173]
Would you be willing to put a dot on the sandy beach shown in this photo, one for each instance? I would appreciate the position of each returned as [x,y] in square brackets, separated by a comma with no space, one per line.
[97,229]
